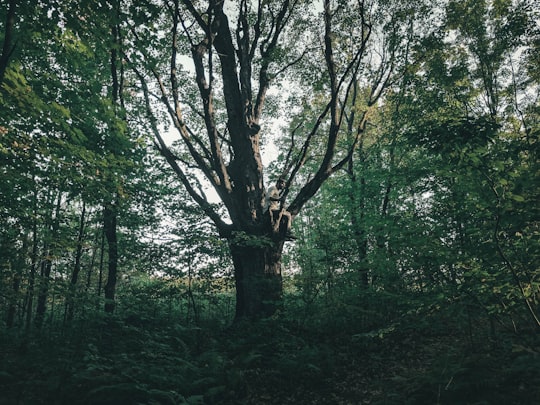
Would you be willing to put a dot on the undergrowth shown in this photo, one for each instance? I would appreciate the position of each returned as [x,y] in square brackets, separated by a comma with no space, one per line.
[350,354]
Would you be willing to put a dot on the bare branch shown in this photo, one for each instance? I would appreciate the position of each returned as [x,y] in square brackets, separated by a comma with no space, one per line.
[302,157]
[288,161]
[196,14]
[244,57]
[174,50]
[326,167]
[223,227]
[294,62]
[180,125]
[256,30]
[208,106]
[223,44]
[361,127]
[266,48]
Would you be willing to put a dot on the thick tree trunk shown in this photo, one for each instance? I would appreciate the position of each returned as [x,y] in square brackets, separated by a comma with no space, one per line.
[258,279]
[228,155]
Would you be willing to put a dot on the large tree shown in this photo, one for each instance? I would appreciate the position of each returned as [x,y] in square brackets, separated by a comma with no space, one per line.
[319,53]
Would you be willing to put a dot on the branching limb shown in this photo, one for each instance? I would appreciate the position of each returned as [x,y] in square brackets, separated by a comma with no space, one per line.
[213,134]
[336,113]
[267,47]
[199,197]
[196,14]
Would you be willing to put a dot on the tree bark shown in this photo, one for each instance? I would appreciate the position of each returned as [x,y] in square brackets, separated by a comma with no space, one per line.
[29,299]
[17,269]
[101,264]
[70,302]
[7,48]
[257,271]
[109,227]
[10,319]
[357,213]
[46,266]
[110,213]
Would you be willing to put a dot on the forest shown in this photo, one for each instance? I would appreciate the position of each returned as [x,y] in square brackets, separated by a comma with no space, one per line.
[269,202]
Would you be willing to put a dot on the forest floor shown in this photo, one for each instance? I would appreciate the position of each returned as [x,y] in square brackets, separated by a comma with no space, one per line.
[126,361]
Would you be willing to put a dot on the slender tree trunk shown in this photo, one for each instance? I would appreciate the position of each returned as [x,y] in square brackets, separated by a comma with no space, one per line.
[191,297]
[258,279]
[13,301]
[110,209]
[44,281]
[357,213]
[7,47]
[70,302]
[109,227]
[382,234]
[46,266]
[29,300]
[92,263]
[101,264]
[18,267]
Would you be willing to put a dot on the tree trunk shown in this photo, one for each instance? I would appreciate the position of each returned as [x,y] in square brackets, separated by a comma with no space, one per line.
[109,227]
[110,213]
[10,319]
[92,262]
[46,266]
[43,292]
[257,271]
[101,265]
[29,299]
[17,268]
[70,302]
[7,48]
[357,194]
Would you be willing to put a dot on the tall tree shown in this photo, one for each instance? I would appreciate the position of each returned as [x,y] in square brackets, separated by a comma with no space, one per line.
[110,209]
[237,51]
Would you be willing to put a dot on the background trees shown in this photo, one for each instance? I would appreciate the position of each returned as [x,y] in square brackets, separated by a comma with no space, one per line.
[435,178]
